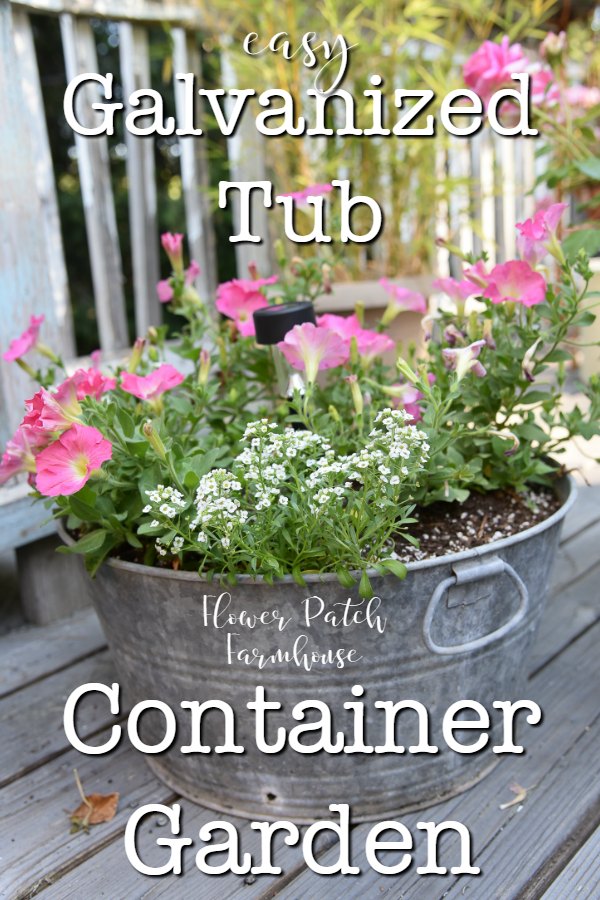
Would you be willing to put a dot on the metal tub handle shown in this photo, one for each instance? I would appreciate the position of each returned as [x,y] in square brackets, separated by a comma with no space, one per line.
[465,573]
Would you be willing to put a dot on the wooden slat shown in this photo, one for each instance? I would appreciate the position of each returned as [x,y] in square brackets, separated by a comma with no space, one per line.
[488,202]
[247,151]
[508,189]
[34,112]
[585,512]
[538,842]
[156,11]
[578,555]
[31,653]
[194,169]
[96,190]
[110,871]
[34,826]
[31,719]
[30,281]
[22,519]
[135,75]
[570,612]
[537,827]
[581,877]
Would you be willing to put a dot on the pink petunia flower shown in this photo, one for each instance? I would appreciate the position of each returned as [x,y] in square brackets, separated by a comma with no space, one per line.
[311,348]
[477,274]
[313,190]
[67,464]
[53,411]
[535,233]
[346,326]
[27,341]
[92,383]
[456,290]
[492,65]
[515,282]
[19,454]
[408,398]
[369,343]
[148,387]
[173,246]
[192,272]
[464,359]
[403,299]
[164,291]
[239,298]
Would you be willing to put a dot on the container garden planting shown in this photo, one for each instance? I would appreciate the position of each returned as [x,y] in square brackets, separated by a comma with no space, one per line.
[248,499]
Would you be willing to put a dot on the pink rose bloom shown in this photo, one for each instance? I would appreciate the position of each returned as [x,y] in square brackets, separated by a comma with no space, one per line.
[312,348]
[403,299]
[582,97]
[173,246]
[464,359]
[26,342]
[492,65]
[535,233]
[192,272]
[52,412]
[239,298]
[66,465]
[164,291]
[515,282]
[148,387]
[92,383]
[313,190]
[19,453]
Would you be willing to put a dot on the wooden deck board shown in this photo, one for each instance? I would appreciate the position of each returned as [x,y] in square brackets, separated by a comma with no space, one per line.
[581,878]
[571,674]
[543,846]
[30,654]
[32,719]
[38,804]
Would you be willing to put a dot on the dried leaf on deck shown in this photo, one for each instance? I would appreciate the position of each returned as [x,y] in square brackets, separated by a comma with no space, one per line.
[93,809]
[520,796]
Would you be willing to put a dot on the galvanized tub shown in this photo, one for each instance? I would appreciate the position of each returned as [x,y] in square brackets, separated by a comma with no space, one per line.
[458,627]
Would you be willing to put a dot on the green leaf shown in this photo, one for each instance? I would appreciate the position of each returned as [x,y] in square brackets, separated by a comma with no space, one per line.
[89,543]
[535,397]
[297,576]
[394,566]
[84,511]
[559,355]
[589,167]
[588,239]
[344,577]
[364,588]
[126,422]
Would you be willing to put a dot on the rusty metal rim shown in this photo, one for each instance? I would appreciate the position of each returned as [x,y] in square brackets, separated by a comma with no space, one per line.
[565,486]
